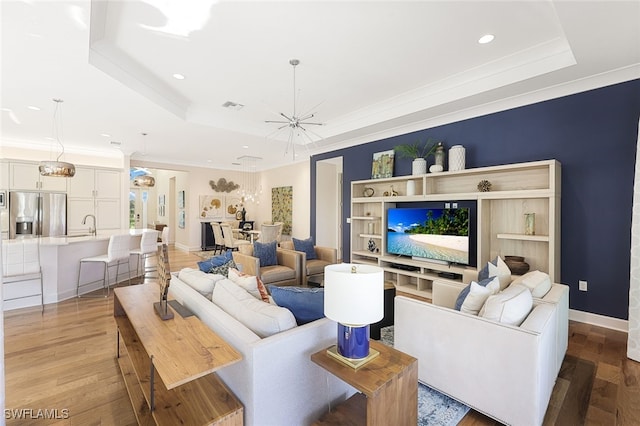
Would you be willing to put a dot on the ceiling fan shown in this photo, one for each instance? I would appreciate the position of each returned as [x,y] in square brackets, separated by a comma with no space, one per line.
[297,124]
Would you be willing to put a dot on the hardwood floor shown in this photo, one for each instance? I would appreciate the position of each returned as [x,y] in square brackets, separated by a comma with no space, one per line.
[64,359]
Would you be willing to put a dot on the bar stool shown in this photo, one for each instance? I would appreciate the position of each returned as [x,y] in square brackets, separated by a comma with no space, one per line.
[148,247]
[117,254]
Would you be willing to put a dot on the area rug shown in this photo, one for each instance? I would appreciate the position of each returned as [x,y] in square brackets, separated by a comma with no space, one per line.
[204,254]
[434,408]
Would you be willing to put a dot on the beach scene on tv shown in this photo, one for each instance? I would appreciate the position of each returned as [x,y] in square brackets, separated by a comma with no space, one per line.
[439,234]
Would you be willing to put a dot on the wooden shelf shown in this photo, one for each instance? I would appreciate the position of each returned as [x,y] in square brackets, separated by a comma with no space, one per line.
[376,236]
[523,237]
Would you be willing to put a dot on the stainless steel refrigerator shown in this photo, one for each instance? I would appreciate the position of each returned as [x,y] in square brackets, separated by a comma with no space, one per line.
[37,214]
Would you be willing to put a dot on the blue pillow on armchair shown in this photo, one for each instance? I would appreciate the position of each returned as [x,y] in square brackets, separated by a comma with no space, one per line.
[266,253]
[306,246]
[214,262]
[306,304]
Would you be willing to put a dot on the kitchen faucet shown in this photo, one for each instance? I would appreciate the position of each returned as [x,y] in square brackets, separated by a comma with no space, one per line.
[92,230]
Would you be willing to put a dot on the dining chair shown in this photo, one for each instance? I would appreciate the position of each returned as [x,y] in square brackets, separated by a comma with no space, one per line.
[229,241]
[218,243]
[118,253]
[268,233]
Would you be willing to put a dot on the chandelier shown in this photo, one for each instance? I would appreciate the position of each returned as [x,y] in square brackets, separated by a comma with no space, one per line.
[57,168]
[296,123]
[250,189]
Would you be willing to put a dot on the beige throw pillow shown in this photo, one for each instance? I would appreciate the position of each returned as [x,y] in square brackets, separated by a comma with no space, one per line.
[537,282]
[510,306]
[478,295]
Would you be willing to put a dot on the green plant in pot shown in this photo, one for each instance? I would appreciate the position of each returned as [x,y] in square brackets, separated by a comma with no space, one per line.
[419,153]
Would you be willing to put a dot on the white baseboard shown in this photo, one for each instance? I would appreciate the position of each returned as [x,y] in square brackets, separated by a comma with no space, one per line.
[184,247]
[599,320]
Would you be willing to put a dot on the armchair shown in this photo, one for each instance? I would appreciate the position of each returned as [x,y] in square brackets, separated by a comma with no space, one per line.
[286,272]
[324,256]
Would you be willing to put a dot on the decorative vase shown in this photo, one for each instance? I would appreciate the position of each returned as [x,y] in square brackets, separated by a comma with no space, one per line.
[529,223]
[411,187]
[371,228]
[419,166]
[439,156]
[456,158]
[516,264]
[436,168]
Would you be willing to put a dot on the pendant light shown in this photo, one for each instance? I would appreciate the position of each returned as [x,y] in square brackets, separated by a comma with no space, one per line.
[57,168]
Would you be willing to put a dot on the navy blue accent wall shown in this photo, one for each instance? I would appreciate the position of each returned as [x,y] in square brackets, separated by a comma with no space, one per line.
[594,135]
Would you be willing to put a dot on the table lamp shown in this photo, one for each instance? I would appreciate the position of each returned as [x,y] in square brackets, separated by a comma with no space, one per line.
[354,298]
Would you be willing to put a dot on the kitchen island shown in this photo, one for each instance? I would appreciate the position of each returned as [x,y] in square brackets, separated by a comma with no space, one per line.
[60,262]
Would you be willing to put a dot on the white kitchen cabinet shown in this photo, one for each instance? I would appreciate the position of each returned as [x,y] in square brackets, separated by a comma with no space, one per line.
[89,182]
[96,192]
[26,177]
[4,175]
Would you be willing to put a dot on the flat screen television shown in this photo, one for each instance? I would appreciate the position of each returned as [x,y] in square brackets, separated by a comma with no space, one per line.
[439,234]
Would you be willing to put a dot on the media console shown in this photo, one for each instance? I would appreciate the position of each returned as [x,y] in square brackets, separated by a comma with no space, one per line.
[516,189]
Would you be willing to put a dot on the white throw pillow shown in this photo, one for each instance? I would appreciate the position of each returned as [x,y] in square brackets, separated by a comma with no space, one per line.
[260,317]
[510,306]
[200,281]
[248,282]
[496,268]
[478,295]
[537,282]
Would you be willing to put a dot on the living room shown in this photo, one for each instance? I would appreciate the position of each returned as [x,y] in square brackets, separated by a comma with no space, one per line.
[589,124]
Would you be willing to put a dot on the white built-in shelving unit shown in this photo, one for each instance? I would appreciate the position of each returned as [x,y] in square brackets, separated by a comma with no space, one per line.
[516,189]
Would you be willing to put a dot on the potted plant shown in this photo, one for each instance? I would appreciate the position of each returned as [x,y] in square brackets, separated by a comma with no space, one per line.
[419,153]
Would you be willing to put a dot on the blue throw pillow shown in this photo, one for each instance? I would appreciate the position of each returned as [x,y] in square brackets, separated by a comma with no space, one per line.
[266,253]
[305,246]
[465,292]
[306,304]
[214,262]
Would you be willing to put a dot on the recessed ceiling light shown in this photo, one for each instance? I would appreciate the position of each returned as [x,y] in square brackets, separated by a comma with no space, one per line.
[209,161]
[178,76]
[487,38]
[34,108]
[245,146]
[49,138]
[106,135]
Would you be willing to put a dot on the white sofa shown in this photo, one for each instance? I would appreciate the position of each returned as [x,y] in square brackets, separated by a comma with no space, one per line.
[506,372]
[276,381]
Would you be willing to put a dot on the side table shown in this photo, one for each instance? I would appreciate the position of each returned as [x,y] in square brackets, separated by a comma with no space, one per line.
[168,366]
[388,386]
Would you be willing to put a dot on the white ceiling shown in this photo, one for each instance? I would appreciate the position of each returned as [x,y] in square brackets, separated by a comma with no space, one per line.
[367,69]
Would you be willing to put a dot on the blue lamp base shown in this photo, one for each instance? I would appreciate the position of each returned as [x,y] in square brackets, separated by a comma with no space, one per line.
[353,342]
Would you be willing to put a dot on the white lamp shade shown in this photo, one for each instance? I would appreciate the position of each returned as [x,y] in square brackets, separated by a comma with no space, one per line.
[354,299]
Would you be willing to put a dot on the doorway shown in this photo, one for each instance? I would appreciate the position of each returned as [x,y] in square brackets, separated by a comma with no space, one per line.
[329,203]
[138,201]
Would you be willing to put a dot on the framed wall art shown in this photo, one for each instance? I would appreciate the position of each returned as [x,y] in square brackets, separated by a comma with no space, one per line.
[211,207]
[282,207]
[382,166]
